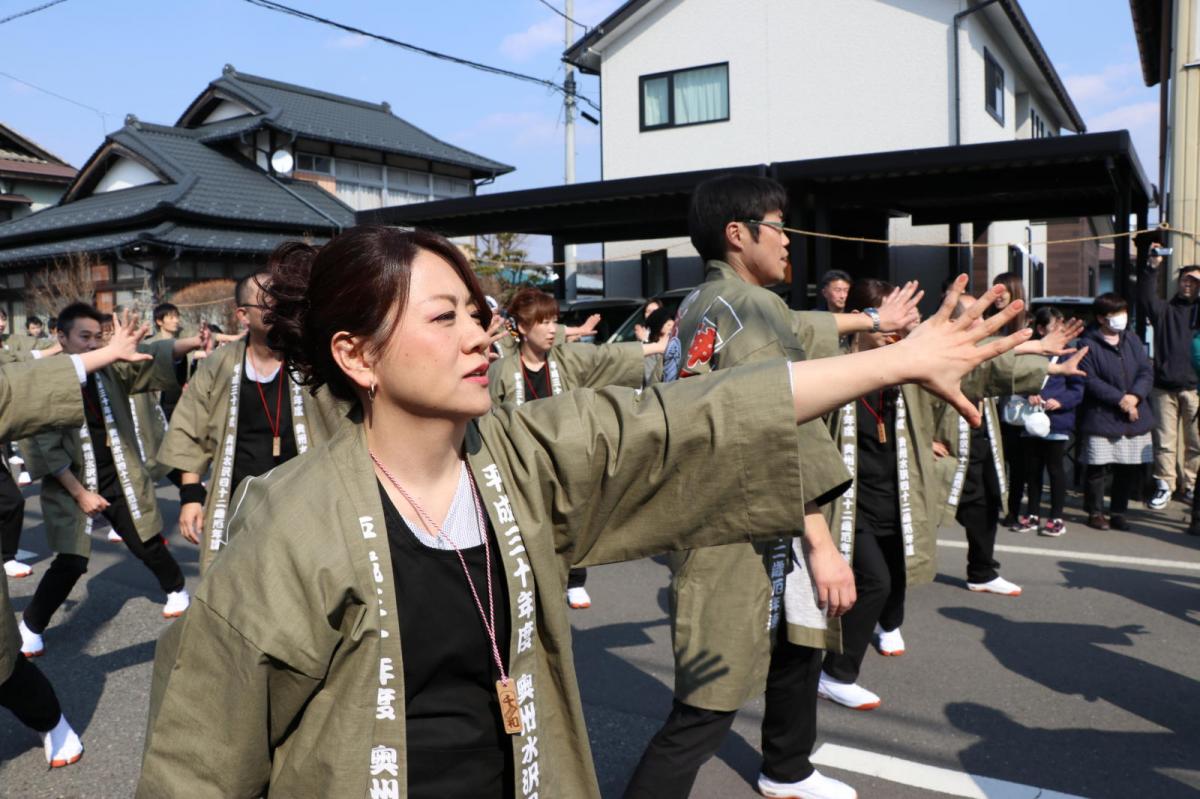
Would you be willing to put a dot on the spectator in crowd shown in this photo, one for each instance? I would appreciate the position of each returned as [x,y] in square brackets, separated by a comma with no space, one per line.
[34,327]
[1176,404]
[1058,399]
[835,287]
[1116,419]
[1010,434]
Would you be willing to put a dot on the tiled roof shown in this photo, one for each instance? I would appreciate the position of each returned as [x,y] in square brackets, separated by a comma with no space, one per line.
[205,185]
[332,118]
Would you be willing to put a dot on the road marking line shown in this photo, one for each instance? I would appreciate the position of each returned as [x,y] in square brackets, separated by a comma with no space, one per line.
[1067,554]
[933,778]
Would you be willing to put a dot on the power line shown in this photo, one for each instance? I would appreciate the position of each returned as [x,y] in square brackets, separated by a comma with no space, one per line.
[552,7]
[29,11]
[104,115]
[271,5]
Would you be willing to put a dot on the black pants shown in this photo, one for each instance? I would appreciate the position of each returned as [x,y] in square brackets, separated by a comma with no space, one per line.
[576,578]
[1124,478]
[12,514]
[879,579]
[65,570]
[1049,456]
[691,735]
[29,695]
[978,513]
[1015,460]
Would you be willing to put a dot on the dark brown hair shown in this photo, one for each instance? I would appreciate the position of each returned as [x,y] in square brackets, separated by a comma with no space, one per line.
[867,292]
[530,306]
[357,283]
[1109,303]
[1016,291]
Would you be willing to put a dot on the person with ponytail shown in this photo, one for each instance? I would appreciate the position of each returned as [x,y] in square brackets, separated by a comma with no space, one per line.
[243,414]
[394,625]
[546,365]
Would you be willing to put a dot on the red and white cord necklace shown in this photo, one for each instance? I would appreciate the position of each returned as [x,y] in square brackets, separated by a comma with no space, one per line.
[505,690]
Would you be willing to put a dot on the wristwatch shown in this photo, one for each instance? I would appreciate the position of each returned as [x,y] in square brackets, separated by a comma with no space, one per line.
[874,314]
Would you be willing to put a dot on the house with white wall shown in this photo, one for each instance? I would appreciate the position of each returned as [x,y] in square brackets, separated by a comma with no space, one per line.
[699,84]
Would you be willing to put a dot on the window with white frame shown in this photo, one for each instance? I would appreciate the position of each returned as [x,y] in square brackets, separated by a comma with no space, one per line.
[684,97]
[993,78]
[364,186]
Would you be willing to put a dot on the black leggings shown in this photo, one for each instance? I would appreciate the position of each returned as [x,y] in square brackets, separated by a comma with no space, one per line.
[65,570]
[12,514]
[576,578]
[1051,456]
[29,695]
[1125,478]
[692,735]
[1015,460]
[880,581]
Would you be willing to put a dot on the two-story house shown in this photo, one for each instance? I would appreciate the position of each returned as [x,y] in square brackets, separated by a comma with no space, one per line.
[700,84]
[252,162]
[31,177]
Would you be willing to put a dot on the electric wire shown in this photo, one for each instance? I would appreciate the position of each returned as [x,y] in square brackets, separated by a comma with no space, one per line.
[29,11]
[552,7]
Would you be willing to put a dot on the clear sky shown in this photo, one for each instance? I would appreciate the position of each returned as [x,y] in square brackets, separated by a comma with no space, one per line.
[152,57]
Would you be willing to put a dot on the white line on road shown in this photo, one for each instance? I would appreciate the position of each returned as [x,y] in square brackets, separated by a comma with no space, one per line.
[933,778]
[1066,554]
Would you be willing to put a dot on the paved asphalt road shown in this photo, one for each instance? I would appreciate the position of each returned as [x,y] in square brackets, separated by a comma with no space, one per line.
[1088,685]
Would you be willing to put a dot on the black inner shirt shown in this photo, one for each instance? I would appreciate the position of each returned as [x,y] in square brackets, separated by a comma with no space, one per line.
[456,740]
[537,382]
[878,498]
[252,456]
[106,469]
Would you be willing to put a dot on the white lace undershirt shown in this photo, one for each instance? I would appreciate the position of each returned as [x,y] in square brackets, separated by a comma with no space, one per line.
[253,374]
[461,523]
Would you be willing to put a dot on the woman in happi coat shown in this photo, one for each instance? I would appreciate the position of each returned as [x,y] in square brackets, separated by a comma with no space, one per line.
[545,365]
[886,525]
[394,626]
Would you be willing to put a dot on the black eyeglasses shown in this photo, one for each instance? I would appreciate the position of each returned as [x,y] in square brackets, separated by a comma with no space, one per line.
[776,225]
[253,305]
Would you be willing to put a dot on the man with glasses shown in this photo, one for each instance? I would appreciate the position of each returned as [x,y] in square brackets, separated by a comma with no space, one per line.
[243,414]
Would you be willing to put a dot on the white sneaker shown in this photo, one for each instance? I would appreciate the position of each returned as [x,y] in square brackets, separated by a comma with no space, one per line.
[24,479]
[16,461]
[998,585]
[62,745]
[814,786]
[32,645]
[177,603]
[114,537]
[579,598]
[1162,495]
[889,642]
[850,694]
[16,569]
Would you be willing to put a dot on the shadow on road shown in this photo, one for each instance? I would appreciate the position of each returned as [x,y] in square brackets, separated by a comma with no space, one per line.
[1176,595]
[1075,660]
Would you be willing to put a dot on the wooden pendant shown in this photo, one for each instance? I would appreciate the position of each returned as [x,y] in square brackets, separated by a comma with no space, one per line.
[276,447]
[881,432]
[509,710]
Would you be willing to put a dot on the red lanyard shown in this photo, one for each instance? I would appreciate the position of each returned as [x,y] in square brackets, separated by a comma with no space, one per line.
[880,427]
[91,405]
[545,373]
[274,424]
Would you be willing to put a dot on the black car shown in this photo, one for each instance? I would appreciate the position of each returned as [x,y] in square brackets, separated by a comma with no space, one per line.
[613,311]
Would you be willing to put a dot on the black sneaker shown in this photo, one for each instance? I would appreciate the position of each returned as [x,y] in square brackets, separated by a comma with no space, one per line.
[1117,522]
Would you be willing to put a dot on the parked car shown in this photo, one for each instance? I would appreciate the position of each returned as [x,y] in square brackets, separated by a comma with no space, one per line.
[613,311]
[668,299]
[1071,307]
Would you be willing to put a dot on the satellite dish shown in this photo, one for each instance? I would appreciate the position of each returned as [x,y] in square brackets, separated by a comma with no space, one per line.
[282,162]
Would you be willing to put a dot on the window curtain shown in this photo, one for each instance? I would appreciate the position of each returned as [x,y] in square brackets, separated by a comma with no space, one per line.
[655,102]
[701,95]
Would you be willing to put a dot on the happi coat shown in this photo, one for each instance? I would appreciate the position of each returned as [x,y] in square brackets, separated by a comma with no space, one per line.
[726,601]
[288,671]
[570,366]
[1007,374]
[33,395]
[149,427]
[68,529]
[203,432]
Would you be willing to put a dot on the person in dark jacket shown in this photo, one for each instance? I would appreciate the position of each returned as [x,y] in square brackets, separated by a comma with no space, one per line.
[1116,418]
[1175,399]
[1059,398]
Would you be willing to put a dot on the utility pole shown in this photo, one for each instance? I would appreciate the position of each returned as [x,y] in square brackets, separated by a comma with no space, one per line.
[569,290]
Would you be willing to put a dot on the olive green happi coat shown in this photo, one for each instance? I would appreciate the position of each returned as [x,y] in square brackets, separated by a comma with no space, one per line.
[68,529]
[33,395]
[289,670]
[725,600]
[570,366]
[203,432]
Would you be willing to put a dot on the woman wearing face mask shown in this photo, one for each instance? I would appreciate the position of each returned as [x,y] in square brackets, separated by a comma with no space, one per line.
[1116,419]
